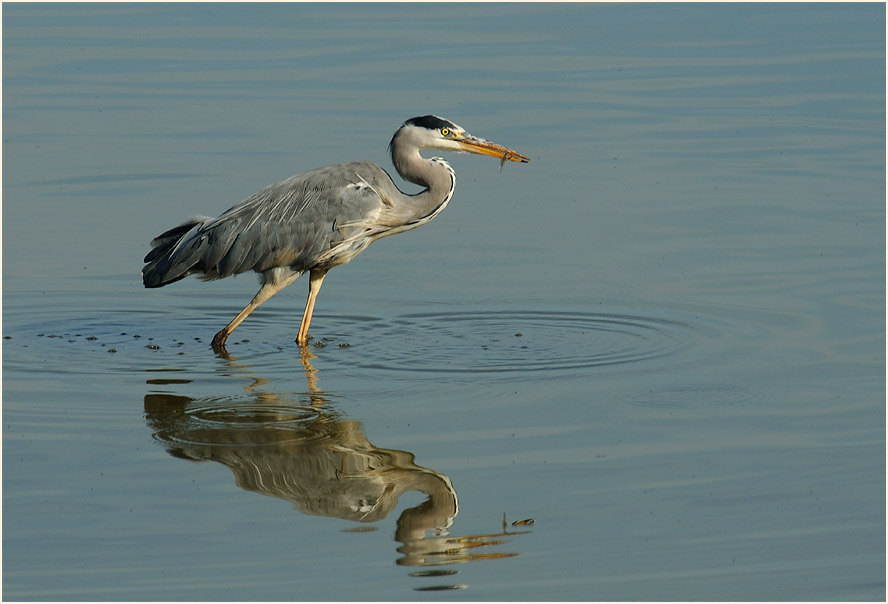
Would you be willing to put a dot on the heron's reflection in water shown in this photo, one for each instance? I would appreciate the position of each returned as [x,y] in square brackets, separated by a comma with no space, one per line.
[299,448]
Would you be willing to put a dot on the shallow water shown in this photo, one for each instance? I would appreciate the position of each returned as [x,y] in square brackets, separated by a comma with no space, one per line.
[663,340]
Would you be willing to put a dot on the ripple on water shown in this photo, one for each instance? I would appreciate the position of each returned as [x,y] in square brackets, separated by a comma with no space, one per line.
[509,343]
[693,395]
[512,342]
[230,421]
[252,415]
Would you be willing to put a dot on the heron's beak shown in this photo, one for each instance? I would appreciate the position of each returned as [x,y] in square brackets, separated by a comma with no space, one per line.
[473,144]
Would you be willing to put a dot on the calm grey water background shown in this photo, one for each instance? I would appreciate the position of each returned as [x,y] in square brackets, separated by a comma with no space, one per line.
[694,261]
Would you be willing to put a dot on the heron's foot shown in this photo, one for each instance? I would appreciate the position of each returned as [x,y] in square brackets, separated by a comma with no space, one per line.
[218,342]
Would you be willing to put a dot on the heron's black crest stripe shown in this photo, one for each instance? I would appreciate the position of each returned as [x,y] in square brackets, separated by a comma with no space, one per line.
[432,122]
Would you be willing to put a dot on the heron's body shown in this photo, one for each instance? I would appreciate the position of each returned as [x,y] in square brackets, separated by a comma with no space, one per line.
[316,220]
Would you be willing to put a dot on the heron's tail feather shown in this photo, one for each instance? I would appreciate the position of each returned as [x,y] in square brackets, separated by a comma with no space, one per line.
[171,258]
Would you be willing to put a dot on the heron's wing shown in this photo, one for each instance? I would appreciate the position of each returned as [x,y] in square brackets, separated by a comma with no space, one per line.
[320,218]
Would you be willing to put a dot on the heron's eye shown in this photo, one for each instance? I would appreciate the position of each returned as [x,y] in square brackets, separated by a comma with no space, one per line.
[445,131]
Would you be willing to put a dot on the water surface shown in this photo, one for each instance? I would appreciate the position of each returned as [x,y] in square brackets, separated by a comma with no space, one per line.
[663,340]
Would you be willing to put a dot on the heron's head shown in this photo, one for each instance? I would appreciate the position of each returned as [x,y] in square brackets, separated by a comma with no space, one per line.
[433,132]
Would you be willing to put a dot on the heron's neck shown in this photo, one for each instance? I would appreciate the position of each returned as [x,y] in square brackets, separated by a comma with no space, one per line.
[434,174]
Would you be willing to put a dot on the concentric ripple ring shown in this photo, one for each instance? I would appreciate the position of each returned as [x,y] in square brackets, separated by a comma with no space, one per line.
[522,341]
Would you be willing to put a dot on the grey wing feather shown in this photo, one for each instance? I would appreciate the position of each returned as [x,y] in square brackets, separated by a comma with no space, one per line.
[320,218]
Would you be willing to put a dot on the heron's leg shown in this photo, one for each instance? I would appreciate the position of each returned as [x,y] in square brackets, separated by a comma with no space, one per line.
[268,289]
[315,279]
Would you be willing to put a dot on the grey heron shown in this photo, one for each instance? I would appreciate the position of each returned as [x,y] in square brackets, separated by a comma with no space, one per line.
[317,220]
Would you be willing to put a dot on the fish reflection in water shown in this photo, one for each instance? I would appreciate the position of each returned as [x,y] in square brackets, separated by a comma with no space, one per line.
[301,449]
